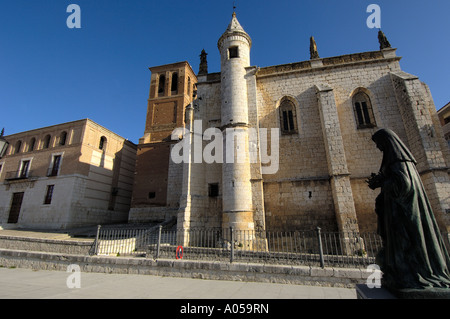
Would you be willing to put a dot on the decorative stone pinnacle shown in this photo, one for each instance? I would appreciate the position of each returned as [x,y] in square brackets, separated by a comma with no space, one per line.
[313,49]
[382,39]
[203,63]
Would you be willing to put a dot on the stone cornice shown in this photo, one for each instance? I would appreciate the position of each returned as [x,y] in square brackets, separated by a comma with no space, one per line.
[327,63]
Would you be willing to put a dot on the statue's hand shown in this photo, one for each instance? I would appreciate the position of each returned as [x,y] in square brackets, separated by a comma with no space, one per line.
[374,181]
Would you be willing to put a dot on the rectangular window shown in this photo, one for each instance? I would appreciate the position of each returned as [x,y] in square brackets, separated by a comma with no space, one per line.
[213,190]
[49,194]
[53,171]
[233,52]
[23,173]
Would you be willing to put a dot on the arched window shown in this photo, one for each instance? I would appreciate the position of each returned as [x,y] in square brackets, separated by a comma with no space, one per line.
[288,118]
[31,145]
[17,147]
[46,142]
[62,138]
[102,144]
[174,87]
[363,111]
[162,84]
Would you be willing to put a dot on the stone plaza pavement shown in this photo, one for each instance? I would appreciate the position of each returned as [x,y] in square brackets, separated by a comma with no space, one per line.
[17,283]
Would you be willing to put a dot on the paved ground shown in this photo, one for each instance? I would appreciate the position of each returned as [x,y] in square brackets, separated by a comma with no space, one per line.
[42,284]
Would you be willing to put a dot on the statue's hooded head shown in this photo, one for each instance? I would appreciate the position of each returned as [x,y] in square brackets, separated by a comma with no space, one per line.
[392,147]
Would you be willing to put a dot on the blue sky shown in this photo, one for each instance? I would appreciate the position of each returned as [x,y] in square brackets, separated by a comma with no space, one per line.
[50,74]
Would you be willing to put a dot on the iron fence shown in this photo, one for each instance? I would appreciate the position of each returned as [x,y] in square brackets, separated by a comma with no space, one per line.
[293,248]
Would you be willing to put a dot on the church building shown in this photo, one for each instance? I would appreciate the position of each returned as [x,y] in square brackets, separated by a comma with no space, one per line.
[313,119]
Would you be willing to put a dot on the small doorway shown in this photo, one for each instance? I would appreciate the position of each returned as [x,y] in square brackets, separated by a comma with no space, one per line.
[15,208]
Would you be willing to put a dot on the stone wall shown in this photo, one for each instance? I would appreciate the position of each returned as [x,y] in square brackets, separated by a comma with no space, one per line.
[299,205]
[297,275]
[426,144]
[77,247]
[313,152]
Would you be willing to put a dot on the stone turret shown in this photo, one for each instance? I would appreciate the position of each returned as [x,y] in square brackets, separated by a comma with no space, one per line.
[234,46]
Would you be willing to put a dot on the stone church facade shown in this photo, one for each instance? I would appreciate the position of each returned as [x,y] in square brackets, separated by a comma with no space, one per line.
[324,110]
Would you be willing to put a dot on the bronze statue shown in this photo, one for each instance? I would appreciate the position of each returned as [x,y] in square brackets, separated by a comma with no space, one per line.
[413,257]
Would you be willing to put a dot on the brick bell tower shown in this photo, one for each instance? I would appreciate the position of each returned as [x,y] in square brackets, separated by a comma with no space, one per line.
[172,88]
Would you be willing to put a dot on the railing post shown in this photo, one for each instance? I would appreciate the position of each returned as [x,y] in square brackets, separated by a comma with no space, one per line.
[96,240]
[159,241]
[232,244]
[322,264]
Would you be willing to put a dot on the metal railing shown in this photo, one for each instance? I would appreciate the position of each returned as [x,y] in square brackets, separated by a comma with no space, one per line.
[293,248]
[127,239]
[19,174]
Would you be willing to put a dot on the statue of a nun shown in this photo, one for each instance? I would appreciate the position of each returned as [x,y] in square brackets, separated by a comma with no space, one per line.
[413,255]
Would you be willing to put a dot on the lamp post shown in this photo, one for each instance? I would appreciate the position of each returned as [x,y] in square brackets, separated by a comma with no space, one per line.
[3,144]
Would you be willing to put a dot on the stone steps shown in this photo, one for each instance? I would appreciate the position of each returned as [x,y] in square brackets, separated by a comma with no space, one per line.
[60,244]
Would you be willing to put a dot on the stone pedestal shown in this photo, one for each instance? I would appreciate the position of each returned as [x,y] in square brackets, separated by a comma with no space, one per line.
[364,292]
[428,293]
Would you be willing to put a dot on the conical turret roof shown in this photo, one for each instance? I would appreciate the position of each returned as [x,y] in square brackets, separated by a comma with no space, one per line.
[234,24]
[235,28]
